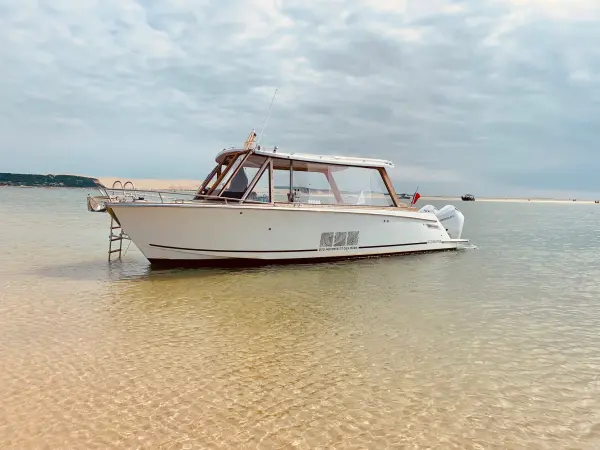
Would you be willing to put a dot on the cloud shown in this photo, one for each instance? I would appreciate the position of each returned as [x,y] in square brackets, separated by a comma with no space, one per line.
[463,96]
[587,10]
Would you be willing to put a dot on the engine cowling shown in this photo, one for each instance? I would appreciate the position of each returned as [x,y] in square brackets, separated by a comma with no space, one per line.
[450,218]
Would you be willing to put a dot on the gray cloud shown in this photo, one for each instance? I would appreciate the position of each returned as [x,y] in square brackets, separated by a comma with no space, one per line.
[493,97]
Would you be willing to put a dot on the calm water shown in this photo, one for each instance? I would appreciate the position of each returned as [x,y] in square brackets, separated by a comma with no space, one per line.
[497,347]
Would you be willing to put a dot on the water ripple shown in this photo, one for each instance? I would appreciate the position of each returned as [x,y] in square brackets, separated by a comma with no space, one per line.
[494,348]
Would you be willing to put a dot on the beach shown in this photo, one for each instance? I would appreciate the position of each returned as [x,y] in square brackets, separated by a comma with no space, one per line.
[507,200]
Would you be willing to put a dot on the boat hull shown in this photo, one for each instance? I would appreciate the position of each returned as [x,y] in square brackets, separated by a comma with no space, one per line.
[238,235]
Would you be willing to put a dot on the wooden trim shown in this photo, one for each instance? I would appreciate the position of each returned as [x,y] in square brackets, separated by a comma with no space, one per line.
[250,140]
[334,187]
[235,172]
[224,173]
[210,176]
[271,182]
[257,177]
[222,200]
[389,186]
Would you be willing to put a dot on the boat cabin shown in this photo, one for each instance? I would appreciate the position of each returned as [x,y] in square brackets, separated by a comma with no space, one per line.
[254,175]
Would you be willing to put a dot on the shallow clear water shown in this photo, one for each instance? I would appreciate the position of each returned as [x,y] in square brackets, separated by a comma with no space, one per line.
[497,347]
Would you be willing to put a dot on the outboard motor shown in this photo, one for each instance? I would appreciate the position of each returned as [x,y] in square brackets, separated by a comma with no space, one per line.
[450,218]
[428,209]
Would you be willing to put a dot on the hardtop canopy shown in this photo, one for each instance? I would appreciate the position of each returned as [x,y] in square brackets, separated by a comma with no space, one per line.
[363,181]
[281,160]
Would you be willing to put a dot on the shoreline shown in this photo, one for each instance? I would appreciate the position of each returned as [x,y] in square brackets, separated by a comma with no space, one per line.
[507,200]
[188,185]
[192,185]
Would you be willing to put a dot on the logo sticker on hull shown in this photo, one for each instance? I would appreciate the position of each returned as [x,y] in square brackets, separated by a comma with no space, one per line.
[339,240]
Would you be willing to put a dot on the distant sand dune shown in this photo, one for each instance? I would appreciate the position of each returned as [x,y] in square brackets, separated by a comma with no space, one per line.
[147,183]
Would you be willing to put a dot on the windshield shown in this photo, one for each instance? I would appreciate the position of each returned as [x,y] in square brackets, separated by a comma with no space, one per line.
[251,177]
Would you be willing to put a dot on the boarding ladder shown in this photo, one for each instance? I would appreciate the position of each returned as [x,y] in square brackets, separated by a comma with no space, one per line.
[117,235]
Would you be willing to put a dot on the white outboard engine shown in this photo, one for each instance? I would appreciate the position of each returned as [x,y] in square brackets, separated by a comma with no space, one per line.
[450,218]
[428,209]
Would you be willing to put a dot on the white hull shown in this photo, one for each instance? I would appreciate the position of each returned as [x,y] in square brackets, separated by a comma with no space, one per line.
[213,234]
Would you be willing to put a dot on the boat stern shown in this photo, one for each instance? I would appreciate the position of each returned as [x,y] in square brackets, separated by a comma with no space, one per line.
[450,218]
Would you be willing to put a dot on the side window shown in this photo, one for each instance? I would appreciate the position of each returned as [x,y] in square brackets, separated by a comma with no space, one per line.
[244,179]
[362,186]
[311,184]
[281,185]
[236,162]
[260,192]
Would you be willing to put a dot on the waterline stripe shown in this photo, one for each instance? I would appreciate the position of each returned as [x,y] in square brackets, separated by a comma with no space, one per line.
[277,251]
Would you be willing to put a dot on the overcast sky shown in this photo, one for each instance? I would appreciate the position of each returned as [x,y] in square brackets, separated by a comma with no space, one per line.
[498,97]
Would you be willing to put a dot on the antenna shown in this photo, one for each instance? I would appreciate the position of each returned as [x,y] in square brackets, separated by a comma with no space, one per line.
[266,118]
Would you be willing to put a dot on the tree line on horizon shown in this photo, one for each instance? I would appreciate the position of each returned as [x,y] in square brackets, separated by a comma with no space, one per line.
[21,179]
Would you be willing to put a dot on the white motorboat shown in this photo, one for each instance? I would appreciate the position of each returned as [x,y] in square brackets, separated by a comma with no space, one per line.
[263,206]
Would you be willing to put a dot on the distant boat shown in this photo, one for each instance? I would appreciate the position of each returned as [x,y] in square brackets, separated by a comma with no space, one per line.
[468,198]
[405,196]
